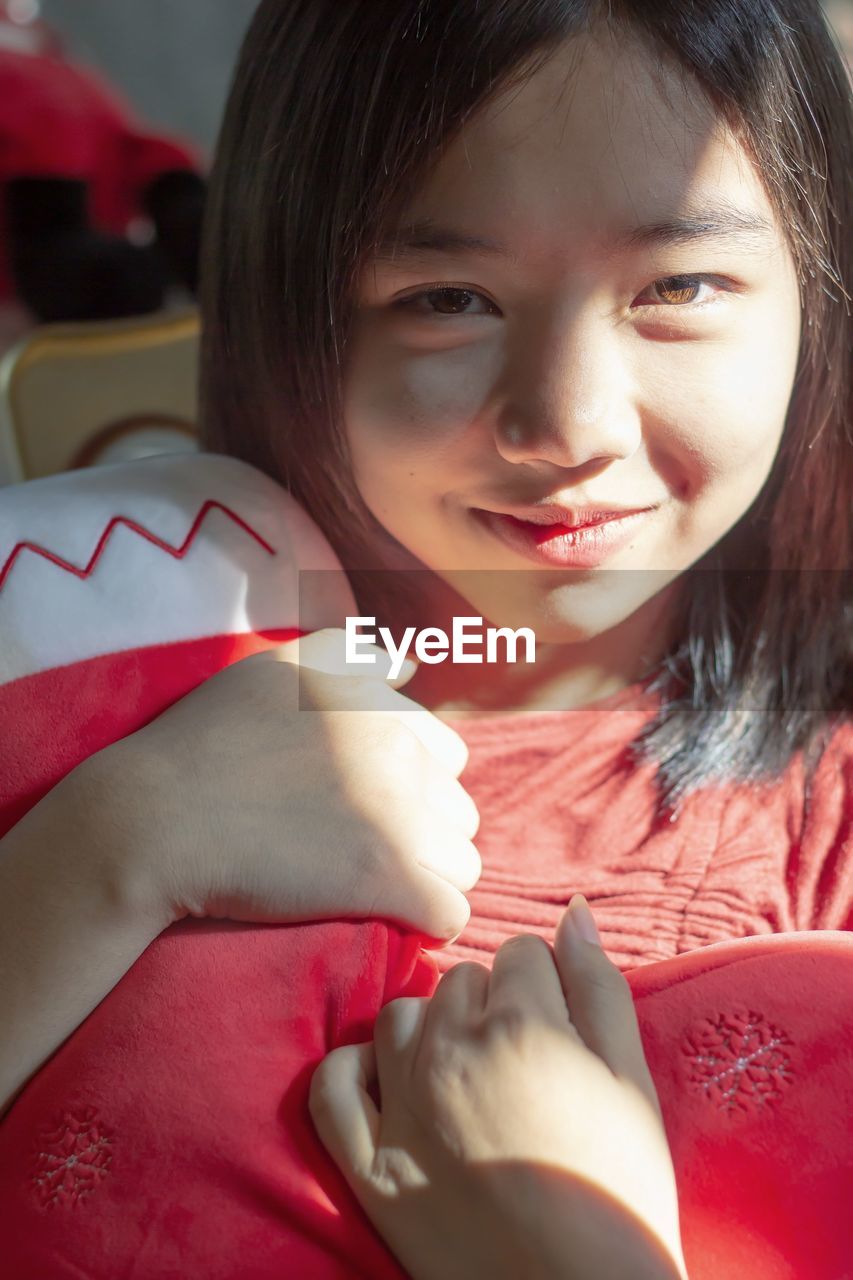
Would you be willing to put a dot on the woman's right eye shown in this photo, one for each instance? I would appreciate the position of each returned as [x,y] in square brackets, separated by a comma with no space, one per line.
[449,300]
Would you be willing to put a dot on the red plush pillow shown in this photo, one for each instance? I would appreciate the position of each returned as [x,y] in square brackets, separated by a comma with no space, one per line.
[169,1137]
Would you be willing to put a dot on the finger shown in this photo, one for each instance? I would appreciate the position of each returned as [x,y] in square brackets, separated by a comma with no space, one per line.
[599,998]
[452,858]
[451,801]
[427,902]
[399,1025]
[397,1037]
[459,1000]
[345,1116]
[525,981]
[440,740]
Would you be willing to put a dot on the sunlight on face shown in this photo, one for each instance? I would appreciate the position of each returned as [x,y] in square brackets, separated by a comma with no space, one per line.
[623,334]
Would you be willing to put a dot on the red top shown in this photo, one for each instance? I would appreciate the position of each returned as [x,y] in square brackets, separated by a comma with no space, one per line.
[563,811]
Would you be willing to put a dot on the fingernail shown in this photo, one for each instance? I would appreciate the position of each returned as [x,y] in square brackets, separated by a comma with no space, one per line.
[582,918]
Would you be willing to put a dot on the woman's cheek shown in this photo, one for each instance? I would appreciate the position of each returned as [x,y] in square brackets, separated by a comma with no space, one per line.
[418,402]
[755,378]
[443,394]
[730,410]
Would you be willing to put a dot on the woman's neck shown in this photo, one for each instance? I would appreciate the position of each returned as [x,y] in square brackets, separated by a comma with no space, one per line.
[456,695]
[563,677]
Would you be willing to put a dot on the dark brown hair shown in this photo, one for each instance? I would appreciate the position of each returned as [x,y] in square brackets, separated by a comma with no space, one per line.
[339,108]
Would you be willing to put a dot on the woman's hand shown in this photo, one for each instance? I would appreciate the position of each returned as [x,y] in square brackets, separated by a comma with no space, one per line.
[518,1131]
[281,791]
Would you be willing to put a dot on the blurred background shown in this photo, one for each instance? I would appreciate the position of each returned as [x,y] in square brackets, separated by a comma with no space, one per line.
[171,58]
[109,111]
[166,68]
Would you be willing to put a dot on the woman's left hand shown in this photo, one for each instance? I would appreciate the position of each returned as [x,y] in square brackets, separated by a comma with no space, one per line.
[518,1131]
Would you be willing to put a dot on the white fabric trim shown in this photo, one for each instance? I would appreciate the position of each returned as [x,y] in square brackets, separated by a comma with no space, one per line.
[137,593]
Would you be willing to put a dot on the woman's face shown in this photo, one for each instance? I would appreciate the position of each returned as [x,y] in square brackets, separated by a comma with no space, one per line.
[624,336]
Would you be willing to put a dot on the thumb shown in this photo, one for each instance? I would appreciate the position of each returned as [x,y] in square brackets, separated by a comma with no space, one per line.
[325,651]
[408,668]
[344,1114]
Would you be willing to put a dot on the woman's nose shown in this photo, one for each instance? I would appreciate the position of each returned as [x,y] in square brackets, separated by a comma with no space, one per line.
[569,399]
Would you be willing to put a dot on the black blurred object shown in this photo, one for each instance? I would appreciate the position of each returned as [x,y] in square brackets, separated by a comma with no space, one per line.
[175,204]
[64,269]
[100,214]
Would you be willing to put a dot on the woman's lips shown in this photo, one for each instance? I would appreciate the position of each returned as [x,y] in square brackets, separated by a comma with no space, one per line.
[558,545]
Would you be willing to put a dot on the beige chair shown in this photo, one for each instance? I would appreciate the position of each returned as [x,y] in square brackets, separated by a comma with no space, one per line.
[75,395]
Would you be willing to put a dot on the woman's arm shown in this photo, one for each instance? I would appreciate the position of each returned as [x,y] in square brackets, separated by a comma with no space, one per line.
[74,916]
[277,791]
[518,1130]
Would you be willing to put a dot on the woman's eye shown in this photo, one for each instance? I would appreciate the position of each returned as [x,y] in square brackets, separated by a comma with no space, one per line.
[455,300]
[448,301]
[676,291]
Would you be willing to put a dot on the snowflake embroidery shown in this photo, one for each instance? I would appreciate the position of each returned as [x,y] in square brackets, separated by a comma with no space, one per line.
[73,1157]
[739,1061]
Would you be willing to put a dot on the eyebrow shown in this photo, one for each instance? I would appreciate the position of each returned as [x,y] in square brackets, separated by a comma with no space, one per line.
[427,238]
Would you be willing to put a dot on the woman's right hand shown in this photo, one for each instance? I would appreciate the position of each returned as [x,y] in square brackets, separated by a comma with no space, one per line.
[280,791]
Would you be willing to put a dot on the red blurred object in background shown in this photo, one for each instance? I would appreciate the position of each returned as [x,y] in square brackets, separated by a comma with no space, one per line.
[78,174]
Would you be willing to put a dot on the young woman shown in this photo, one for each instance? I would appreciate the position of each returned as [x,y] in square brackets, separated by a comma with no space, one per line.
[421,248]
[543,308]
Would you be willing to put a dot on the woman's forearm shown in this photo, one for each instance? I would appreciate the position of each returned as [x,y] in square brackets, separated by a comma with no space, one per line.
[72,922]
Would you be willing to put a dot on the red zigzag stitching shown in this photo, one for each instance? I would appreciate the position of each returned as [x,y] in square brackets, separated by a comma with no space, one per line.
[177,552]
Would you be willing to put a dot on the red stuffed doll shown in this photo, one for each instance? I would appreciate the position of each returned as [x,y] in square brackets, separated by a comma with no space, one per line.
[76,171]
[169,1137]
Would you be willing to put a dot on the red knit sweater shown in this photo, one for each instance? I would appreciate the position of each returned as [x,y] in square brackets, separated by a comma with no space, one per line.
[564,811]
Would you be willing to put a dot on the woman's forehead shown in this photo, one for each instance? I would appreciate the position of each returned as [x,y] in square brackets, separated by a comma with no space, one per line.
[603,141]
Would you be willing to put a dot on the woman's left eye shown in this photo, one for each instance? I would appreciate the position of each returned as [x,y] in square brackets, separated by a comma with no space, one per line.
[678,291]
